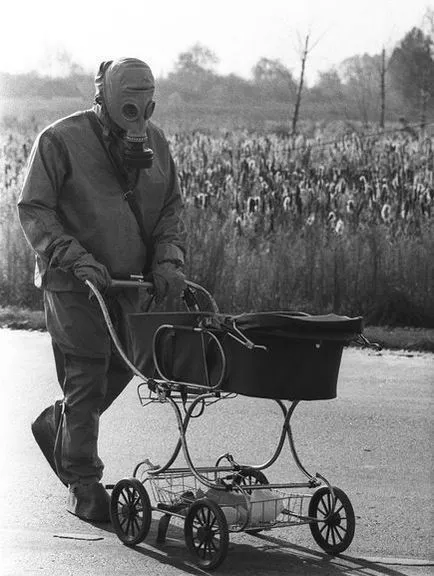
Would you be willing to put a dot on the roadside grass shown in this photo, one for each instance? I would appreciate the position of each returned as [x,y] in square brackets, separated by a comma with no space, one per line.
[400,338]
[390,338]
[18,318]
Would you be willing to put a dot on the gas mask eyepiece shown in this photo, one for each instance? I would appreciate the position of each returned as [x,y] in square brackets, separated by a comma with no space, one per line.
[132,111]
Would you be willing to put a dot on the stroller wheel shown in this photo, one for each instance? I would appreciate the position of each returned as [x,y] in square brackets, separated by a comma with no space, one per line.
[206,533]
[336,533]
[130,511]
[250,477]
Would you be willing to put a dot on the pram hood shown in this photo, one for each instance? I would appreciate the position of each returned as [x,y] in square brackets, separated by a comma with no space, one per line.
[301,325]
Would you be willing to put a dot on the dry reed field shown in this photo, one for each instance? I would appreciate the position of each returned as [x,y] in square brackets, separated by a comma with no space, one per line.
[318,223]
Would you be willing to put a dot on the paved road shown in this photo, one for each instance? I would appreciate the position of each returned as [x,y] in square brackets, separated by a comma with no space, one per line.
[373,441]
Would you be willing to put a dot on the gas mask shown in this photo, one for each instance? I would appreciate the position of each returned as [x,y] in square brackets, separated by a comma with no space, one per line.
[125,88]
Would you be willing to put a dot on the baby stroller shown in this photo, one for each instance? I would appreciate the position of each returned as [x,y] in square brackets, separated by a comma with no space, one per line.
[196,358]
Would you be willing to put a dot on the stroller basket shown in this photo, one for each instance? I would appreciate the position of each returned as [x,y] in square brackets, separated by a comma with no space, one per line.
[261,508]
[282,355]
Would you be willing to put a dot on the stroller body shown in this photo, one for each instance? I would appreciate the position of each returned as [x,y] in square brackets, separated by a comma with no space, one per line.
[196,358]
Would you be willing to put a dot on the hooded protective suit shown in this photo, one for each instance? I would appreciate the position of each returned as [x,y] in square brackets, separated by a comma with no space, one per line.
[72,207]
[74,215]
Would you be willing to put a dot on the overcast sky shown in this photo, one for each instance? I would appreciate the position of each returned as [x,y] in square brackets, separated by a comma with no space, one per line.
[240,32]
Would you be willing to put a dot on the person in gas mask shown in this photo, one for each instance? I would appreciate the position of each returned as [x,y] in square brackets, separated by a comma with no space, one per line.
[100,199]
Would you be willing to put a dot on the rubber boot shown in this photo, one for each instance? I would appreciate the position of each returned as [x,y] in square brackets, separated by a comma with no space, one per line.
[89,502]
[44,430]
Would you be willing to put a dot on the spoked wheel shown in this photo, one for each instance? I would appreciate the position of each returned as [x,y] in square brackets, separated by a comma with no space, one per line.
[336,533]
[130,511]
[250,477]
[206,533]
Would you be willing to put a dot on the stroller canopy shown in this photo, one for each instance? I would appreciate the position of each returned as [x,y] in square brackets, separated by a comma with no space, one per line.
[299,324]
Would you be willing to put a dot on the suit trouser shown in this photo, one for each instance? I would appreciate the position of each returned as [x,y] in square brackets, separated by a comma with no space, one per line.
[90,373]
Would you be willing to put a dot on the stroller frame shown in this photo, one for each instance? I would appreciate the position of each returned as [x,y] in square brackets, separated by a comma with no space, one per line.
[230,504]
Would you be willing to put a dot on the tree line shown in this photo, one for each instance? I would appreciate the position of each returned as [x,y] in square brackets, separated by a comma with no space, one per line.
[366,88]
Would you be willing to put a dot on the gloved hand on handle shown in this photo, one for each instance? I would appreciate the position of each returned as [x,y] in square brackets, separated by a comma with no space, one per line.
[168,279]
[87,268]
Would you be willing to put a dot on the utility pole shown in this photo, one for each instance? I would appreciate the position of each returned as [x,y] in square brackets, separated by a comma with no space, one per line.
[383,88]
[423,102]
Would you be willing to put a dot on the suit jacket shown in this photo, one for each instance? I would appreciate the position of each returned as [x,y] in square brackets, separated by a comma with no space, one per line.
[72,207]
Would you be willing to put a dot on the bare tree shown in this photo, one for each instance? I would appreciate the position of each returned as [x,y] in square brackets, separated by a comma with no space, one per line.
[273,79]
[300,85]
[304,54]
[360,77]
[428,23]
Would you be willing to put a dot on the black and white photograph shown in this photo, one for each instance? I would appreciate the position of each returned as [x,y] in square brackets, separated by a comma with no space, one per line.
[217,288]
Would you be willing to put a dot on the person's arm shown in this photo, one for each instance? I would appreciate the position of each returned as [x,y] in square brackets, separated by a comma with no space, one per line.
[169,238]
[48,168]
[169,235]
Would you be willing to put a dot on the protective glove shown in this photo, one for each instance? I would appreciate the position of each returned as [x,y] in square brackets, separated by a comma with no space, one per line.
[87,268]
[168,280]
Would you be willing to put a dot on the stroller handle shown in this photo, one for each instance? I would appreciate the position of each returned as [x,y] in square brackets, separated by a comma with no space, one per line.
[138,281]
[134,281]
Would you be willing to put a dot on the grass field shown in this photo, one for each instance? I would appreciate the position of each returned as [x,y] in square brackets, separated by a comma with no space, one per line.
[334,220]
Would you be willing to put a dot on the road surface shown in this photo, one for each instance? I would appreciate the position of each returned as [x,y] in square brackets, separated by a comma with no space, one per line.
[374,441]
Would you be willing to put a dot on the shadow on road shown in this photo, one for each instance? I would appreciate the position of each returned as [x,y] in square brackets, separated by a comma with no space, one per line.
[261,554]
